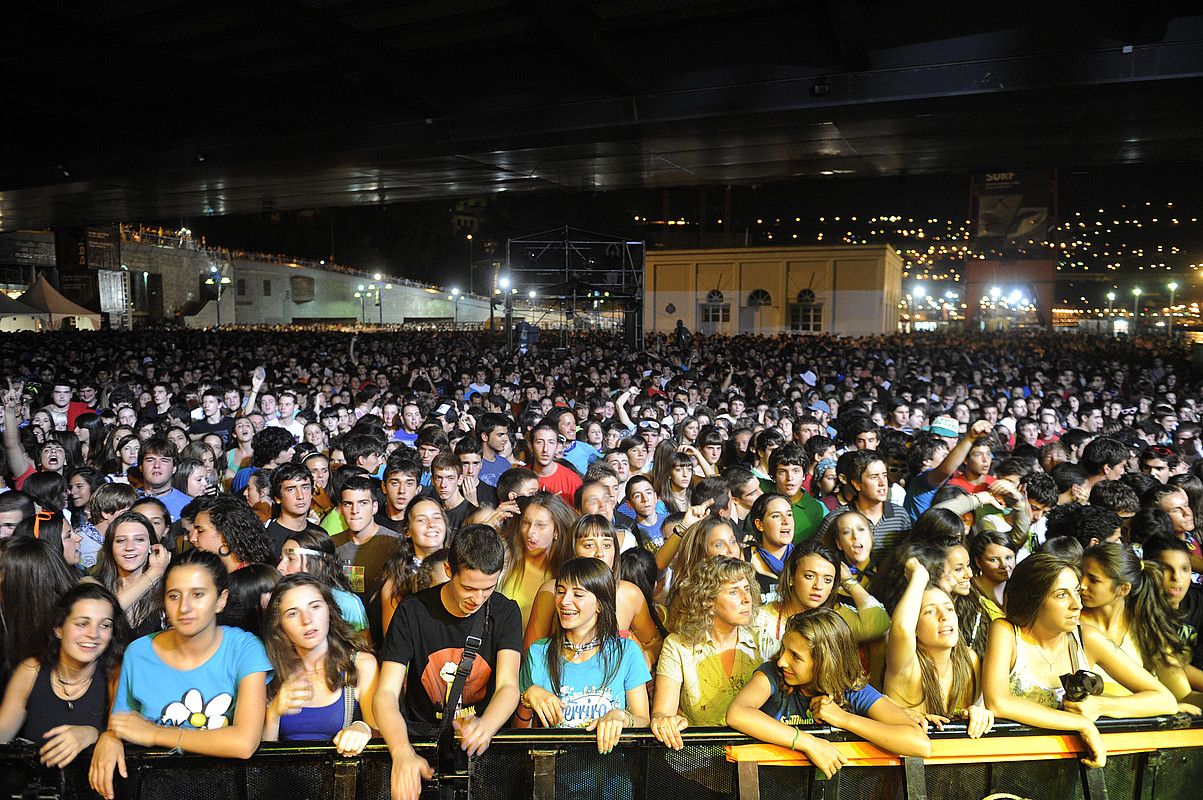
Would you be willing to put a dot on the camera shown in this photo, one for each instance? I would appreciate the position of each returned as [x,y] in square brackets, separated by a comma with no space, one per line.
[1081,684]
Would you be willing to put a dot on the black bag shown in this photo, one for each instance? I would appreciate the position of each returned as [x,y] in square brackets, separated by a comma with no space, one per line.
[450,763]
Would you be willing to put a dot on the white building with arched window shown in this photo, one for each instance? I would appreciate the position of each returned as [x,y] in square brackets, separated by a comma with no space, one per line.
[843,290]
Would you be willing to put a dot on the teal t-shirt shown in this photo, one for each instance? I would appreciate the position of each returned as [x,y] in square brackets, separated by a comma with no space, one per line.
[584,691]
[201,698]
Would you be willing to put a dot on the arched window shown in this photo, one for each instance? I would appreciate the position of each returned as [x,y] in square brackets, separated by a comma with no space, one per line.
[759,297]
[715,309]
[806,315]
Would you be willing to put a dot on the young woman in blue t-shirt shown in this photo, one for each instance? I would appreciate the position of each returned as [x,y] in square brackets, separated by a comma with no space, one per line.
[817,679]
[198,687]
[585,675]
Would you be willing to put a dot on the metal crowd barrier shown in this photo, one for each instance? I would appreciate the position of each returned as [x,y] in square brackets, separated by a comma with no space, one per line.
[1153,759]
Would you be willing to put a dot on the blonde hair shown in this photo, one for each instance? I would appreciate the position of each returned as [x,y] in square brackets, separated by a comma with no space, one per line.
[691,615]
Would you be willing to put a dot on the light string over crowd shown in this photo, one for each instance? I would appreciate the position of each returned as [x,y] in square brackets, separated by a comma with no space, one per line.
[210,540]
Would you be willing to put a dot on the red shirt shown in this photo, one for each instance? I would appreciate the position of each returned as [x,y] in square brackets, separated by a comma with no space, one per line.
[564,482]
[973,488]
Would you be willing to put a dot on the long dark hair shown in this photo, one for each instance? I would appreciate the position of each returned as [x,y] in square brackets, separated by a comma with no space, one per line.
[595,577]
[244,606]
[107,573]
[110,660]
[1150,616]
[33,576]
[343,644]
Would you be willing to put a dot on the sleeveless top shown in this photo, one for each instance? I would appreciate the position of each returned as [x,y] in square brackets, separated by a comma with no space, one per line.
[1129,647]
[321,723]
[1029,677]
[45,710]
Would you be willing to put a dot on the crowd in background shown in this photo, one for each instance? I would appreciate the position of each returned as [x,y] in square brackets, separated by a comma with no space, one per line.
[209,540]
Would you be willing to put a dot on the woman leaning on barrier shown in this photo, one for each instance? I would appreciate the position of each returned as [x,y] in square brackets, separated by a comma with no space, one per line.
[323,678]
[59,700]
[714,649]
[197,687]
[1040,640]
[585,675]
[1122,596]
[930,671]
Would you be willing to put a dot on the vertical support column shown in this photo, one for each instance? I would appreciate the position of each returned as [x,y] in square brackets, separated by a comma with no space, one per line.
[748,780]
[544,783]
[1093,785]
[346,778]
[916,778]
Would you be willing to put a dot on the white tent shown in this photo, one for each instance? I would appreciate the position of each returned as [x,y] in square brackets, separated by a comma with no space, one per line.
[44,298]
[15,316]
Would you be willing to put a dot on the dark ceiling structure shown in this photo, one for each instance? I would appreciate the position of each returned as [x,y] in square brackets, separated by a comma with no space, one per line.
[156,109]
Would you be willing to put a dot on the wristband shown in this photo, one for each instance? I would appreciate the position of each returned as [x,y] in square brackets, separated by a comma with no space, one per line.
[848,581]
[794,744]
[366,726]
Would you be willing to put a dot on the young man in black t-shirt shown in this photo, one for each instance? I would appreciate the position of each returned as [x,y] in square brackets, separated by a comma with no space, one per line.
[426,641]
[292,489]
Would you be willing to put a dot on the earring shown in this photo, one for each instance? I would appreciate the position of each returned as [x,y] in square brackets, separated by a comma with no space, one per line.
[223,551]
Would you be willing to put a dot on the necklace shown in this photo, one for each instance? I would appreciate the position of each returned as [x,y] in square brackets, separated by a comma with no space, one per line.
[63,685]
[581,648]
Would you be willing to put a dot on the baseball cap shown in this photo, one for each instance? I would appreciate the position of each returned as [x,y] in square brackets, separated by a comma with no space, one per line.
[945,425]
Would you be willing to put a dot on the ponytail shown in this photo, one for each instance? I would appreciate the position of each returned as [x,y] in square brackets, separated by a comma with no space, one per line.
[1151,618]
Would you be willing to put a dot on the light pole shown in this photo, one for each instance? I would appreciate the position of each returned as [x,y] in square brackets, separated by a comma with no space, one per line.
[455,295]
[1173,287]
[504,283]
[471,268]
[220,281]
[362,294]
[1136,308]
[1110,300]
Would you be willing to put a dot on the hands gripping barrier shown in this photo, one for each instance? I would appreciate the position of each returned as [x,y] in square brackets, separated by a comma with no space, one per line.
[1152,759]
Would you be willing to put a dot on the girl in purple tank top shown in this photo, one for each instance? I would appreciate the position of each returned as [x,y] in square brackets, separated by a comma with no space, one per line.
[324,677]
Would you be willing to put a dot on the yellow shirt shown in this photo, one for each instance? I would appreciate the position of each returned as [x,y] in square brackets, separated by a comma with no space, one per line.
[523,590]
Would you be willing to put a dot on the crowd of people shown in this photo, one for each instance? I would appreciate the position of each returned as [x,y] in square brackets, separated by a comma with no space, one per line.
[212,540]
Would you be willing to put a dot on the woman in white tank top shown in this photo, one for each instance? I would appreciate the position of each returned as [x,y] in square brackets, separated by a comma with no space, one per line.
[1040,640]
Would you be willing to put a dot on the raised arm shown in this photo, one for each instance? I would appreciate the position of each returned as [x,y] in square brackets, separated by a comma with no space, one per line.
[156,565]
[672,542]
[620,409]
[901,661]
[959,452]
[18,461]
[871,621]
